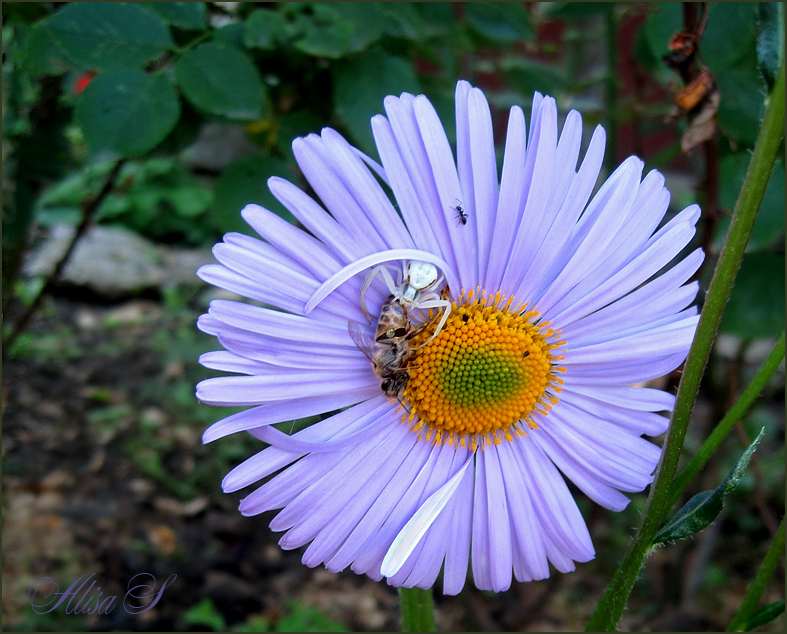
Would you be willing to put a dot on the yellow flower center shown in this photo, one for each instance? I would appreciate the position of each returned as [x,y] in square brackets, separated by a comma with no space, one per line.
[480,379]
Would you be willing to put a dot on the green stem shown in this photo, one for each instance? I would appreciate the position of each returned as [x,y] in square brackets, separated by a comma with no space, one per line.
[417,610]
[613,602]
[757,587]
[189,45]
[722,430]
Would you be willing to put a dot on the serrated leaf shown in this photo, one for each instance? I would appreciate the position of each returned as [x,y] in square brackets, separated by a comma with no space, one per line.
[500,22]
[127,111]
[361,84]
[222,80]
[184,15]
[262,29]
[770,39]
[700,511]
[764,615]
[242,183]
[756,306]
[105,35]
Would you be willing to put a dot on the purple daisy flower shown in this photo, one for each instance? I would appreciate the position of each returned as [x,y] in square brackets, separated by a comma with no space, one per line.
[477,343]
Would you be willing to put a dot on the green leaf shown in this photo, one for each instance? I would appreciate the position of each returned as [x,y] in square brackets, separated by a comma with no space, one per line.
[729,35]
[230,35]
[322,34]
[700,511]
[242,183]
[660,26]
[728,49]
[127,111]
[263,28]
[741,92]
[189,201]
[756,306]
[769,226]
[184,15]
[205,614]
[367,20]
[401,20]
[104,35]
[770,39]
[764,615]
[40,55]
[434,18]
[361,84]
[222,80]
[500,22]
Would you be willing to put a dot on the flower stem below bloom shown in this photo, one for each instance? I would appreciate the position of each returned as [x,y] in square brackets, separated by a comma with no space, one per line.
[613,602]
[417,610]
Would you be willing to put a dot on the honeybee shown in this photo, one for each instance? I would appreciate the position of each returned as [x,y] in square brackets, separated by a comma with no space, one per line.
[415,289]
[389,351]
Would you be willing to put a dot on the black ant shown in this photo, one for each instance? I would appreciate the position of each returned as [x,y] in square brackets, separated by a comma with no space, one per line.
[462,214]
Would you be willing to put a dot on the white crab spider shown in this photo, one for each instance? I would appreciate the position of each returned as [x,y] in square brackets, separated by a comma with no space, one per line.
[419,273]
[414,278]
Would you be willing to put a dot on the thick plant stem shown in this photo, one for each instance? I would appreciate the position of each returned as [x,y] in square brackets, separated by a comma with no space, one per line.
[725,426]
[613,602]
[417,610]
[760,582]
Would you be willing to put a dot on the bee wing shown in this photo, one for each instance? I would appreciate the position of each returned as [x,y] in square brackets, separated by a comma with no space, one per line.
[361,338]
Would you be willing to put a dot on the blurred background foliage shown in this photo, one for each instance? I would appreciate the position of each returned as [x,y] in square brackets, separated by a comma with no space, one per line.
[165,85]
[171,117]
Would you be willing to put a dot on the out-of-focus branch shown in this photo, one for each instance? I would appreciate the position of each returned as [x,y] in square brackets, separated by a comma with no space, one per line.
[89,208]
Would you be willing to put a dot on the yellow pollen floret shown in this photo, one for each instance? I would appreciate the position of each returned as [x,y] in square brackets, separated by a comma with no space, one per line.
[480,379]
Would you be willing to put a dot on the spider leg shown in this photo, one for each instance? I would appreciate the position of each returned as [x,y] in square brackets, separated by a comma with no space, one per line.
[368,282]
[388,280]
[436,303]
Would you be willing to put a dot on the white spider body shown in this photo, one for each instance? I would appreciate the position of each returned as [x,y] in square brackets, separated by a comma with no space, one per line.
[414,289]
